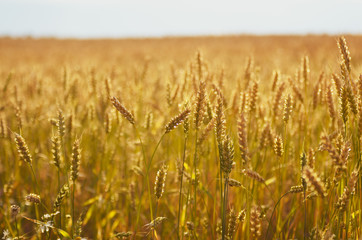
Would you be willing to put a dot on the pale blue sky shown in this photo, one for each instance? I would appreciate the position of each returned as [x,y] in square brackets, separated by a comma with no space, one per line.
[143,18]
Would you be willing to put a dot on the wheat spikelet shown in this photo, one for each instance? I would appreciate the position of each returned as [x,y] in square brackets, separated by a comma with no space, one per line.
[227,160]
[332,112]
[234,104]
[247,72]
[340,164]
[78,225]
[234,183]
[23,149]
[61,124]
[220,121]
[344,104]
[74,169]
[345,54]
[180,118]
[339,142]
[93,81]
[199,64]
[253,96]
[19,119]
[296,189]
[148,121]
[339,156]
[220,94]
[122,110]
[305,70]
[353,180]
[327,146]
[219,227]
[278,96]
[323,92]
[70,124]
[209,111]
[168,94]
[344,153]
[33,198]
[352,101]
[206,131]
[123,235]
[288,108]
[108,86]
[316,93]
[221,78]
[200,105]
[311,158]
[266,137]
[337,83]
[160,181]
[241,216]
[296,91]
[253,175]
[314,181]
[244,97]
[276,76]
[186,124]
[157,221]
[56,150]
[63,193]
[175,93]
[233,223]
[344,199]
[91,112]
[345,74]
[107,122]
[255,223]
[243,139]
[278,146]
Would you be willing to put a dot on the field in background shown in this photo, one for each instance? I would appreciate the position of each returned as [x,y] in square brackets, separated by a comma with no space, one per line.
[268,129]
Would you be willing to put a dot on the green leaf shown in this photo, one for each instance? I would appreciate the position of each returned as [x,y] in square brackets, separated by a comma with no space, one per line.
[63,233]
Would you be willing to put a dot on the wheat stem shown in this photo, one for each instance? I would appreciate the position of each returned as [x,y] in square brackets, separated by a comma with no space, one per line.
[180,191]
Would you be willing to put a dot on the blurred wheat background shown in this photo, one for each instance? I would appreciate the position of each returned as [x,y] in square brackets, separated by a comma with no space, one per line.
[239,137]
[190,120]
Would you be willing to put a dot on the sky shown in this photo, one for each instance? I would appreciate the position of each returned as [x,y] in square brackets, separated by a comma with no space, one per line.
[158,18]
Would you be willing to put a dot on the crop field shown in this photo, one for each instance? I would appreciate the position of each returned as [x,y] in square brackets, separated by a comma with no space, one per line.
[230,137]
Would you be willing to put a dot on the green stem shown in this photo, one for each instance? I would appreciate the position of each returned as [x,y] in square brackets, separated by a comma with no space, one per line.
[224,208]
[305,214]
[195,187]
[73,193]
[35,185]
[60,209]
[16,226]
[220,179]
[275,207]
[146,179]
[36,188]
[180,192]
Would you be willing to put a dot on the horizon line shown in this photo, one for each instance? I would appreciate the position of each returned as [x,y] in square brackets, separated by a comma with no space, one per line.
[166,36]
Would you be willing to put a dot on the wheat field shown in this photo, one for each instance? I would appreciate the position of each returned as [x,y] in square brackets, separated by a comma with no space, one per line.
[235,137]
